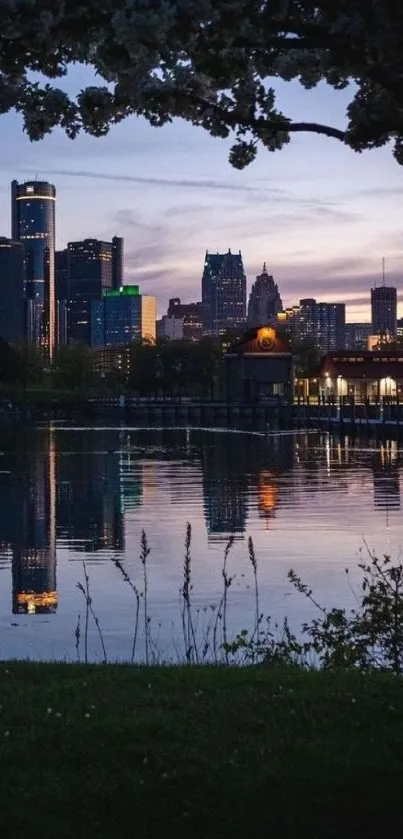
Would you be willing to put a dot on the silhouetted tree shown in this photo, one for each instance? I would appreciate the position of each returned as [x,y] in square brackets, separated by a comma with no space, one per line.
[74,367]
[212,62]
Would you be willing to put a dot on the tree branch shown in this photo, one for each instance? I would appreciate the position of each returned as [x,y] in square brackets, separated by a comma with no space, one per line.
[317,128]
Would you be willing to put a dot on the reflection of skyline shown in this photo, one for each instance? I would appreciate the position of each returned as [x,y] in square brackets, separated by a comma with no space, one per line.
[385,464]
[225,488]
[28,525]
[79,486]
[89,504]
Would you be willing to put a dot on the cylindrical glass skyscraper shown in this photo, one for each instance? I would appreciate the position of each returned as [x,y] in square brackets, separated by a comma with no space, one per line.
[33,223]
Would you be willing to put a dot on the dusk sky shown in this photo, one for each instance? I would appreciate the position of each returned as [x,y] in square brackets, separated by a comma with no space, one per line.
[320,216]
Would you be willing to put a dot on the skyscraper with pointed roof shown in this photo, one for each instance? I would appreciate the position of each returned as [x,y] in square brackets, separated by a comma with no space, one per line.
[223,292]
[264,300]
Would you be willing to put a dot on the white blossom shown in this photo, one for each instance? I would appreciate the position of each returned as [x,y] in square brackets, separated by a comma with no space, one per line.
[212,62]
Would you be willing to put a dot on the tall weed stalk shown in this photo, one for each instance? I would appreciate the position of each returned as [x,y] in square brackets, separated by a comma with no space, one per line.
[189,634]
[144,553]
[222,608]
[90,610]
[137,596]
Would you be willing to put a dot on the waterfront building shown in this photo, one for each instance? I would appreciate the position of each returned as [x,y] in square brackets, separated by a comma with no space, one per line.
[362,375]
[259,368]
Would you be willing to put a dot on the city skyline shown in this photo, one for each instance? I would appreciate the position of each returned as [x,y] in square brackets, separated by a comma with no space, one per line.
[172,194]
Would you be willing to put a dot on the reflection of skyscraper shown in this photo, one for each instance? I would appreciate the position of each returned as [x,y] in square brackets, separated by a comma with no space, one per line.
[386,477]
[225,487]
[89,503]
[33,223]
[34,538]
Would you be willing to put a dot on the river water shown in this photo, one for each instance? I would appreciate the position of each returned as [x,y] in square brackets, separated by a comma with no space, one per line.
[309,501]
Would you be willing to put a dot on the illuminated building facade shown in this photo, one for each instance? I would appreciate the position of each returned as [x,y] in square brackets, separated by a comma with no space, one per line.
[259,368]
[321,323]
[362,376]
[223,293]
[12,290]
[33,223]
[122,316]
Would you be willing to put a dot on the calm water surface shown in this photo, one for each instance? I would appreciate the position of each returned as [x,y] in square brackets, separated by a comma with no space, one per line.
[74,494]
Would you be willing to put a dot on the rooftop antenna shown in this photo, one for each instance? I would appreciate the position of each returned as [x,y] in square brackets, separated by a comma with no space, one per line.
[383,271]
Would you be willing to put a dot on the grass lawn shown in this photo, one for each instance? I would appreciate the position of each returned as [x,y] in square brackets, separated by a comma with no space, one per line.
[134,752]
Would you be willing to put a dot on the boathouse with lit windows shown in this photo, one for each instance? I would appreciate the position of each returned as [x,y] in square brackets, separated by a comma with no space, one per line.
[362,376]
[259,368]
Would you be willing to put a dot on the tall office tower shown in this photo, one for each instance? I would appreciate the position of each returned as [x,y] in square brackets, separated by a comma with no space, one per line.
[331,326]
[191,315]
[61,275]
[33,223]
[122,316]
[12,290]
[90,273]
[117,262]
[322,323]
[223,292]
[384,310]
[264,300]
[62,296]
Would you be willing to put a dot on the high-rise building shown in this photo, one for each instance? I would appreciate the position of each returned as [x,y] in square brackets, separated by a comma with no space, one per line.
[321,323]
[170,327]
[12,290]
[357,335]
[331,324]
[61,275]
[191,315]
[117,262]
[33,223]
[223,292]
[264,301]
[90,273]
[384,310]
[122,316]
[62,296]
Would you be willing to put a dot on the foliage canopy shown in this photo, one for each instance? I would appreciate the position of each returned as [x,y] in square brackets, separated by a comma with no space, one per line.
[214,63]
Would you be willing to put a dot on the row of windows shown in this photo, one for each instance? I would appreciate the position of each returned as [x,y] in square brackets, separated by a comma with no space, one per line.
[360,359]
